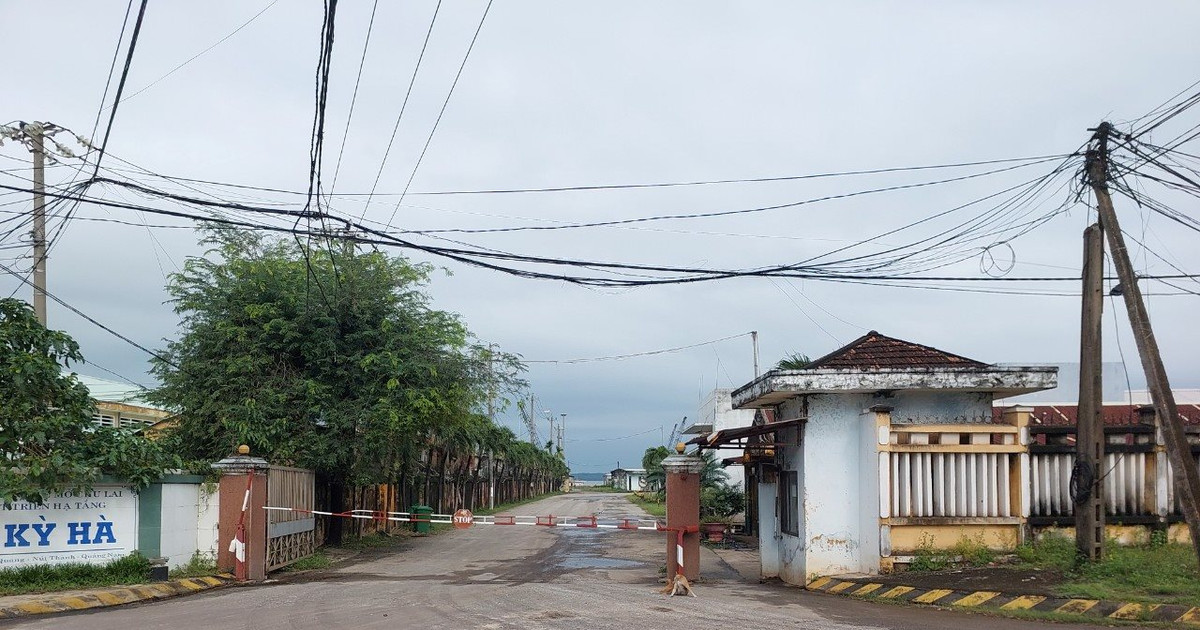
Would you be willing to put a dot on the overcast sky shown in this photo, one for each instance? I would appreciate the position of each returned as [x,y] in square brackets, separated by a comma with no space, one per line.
[563,94]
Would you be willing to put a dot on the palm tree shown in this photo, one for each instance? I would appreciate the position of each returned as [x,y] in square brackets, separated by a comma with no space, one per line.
[793,361]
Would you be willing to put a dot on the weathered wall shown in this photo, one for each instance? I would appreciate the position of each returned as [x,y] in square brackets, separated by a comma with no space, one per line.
[208,515]
[768,529]
[832,489]
[938,407]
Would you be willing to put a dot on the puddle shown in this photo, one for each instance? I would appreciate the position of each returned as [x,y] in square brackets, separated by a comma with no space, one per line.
[592,562]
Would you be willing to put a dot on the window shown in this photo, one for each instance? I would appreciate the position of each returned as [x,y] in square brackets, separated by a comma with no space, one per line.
[789,504]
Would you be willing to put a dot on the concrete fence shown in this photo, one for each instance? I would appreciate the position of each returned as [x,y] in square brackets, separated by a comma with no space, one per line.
[1002,482]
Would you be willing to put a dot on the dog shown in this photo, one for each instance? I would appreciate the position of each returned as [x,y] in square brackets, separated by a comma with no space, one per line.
[678,585]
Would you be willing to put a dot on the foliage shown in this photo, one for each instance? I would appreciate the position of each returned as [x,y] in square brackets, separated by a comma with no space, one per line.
[198,565]
[1161,573]
[132,569]
[318,560]
[719,504]
[652,460]
[329,360]
[1165,574]
[927,558]
[651,503]
[713,475]
[973,551]
[46,432]
[1049,551]
[794,361]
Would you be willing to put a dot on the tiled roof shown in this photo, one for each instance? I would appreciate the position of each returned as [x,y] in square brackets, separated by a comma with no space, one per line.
[1114,415]
[874,351]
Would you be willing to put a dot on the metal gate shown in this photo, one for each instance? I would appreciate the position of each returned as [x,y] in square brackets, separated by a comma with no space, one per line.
[290,535]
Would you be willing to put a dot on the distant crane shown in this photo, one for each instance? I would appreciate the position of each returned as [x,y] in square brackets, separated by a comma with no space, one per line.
[529,419]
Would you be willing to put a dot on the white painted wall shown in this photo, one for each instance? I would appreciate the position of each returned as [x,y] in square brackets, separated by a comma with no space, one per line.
[180,505]
[717,410]
[207,518]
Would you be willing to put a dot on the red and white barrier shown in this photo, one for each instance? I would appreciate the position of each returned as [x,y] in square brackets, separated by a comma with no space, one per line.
[464,518]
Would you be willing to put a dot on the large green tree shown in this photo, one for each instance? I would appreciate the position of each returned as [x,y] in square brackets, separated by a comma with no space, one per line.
[47,439]
[322,356]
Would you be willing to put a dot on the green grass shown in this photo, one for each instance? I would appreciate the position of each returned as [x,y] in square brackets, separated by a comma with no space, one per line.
[650,503]
[132,569]
[199,566]
[319,560]
[1157,573]
[600,489]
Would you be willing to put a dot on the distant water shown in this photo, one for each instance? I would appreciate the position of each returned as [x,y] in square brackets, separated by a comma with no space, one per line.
[589,476]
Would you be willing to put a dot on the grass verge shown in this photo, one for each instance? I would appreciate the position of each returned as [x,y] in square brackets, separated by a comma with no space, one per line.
[319,560]
[650,503]
[1156,573]
[132,569]
[199,566]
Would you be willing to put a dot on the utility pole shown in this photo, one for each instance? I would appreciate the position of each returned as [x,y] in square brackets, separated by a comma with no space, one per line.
[562,432]
[754,340]
[36,142]
[1089,424]
[1187,478]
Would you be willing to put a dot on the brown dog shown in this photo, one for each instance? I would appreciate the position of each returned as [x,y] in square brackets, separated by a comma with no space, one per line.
[678,585]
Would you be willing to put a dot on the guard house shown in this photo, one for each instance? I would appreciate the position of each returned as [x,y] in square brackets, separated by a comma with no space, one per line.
[877,446]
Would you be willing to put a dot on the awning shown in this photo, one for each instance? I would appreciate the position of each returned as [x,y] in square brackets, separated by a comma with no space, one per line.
[738,437]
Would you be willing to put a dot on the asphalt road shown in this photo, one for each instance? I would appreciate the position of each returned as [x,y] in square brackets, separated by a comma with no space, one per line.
[519,577]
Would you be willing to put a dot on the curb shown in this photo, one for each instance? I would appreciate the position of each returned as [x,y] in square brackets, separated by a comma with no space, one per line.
[994,600]
[47,603]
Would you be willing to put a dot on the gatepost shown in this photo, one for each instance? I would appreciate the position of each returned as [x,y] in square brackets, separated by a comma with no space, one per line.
[243,495]
[683,513]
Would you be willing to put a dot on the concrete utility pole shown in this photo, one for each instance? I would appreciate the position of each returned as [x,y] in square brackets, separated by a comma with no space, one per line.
[1089,425]
[36,141]
[754,340]
[1187,478]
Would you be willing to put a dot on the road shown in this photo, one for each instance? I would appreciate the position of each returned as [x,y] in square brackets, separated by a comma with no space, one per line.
[519,577]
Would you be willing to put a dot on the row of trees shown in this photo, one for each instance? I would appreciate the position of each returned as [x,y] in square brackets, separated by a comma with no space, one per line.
[315,354]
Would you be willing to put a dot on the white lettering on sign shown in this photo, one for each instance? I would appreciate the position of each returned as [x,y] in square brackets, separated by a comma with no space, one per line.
[462,519]
[87,527]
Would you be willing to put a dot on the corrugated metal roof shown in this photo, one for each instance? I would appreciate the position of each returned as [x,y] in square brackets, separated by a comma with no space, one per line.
[105,390]
[1114,415]
[874,351]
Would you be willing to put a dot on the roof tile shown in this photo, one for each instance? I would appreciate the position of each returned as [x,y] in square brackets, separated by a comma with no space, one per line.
[874,351]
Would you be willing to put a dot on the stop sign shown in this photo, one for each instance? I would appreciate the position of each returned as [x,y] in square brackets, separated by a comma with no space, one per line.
[462,519]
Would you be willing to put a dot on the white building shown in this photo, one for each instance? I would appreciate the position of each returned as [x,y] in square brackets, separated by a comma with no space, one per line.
[628,479]
[834,424]
[717,413]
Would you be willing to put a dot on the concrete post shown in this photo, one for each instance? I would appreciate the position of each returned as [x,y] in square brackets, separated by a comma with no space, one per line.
[243,484]
[683,512]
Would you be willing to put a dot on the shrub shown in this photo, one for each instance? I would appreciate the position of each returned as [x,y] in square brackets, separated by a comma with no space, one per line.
[926,558]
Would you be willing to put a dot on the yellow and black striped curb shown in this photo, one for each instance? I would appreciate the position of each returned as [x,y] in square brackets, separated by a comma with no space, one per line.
[995,600]
[100,598]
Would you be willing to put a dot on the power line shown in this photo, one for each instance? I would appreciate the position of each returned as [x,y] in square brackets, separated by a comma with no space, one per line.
[403,106]
[441,112]
[354,98]
[748,180]
[199,54]
[637,354]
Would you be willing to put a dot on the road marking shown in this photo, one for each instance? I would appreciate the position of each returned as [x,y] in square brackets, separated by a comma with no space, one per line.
[78,603]
[1024,602]
[868,589]
[1133,611]
[932,596]
[897,592]
[190,585]
[976,598]
[841,587]
[1190,617]
[1077,606]
[818,583]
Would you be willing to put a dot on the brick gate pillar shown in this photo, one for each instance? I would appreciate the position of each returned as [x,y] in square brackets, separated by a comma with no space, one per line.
[683,512]
[239,472]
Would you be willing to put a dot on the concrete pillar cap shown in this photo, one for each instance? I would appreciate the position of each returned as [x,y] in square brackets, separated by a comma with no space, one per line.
[240,464]
[682,464]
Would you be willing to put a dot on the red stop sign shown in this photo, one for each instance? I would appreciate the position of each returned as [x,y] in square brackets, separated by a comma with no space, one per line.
[463,519]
